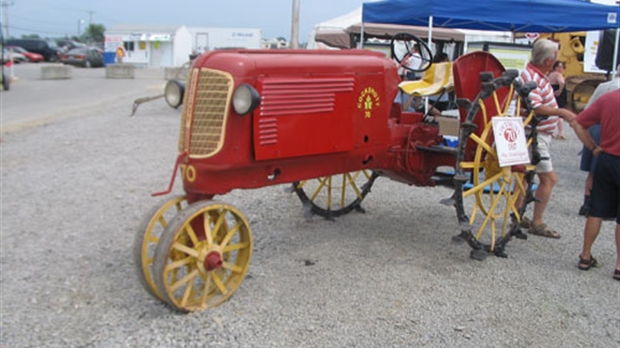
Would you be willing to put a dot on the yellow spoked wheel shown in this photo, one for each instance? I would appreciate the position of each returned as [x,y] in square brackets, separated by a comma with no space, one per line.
[203,256]
[335,195]
[147,238]
[489,208]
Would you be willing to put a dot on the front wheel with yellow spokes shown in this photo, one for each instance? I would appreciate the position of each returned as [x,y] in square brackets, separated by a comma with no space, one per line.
[147,238]
[335,195]
[488,201]
[202,256]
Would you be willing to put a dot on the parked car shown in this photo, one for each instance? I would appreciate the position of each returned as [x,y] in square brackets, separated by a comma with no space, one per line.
[99,50]
[15,56]
[68,45]
[84,56]
[48,49]
[32,57]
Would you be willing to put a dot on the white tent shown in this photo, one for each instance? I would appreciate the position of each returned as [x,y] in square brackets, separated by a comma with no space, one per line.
[335,26]
[335,31]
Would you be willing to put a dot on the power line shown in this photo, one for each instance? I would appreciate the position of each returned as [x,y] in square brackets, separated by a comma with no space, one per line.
[45,5]
[51,27]
[37,30]
[30,19]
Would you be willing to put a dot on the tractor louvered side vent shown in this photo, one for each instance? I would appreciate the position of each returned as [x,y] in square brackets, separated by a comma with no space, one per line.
[205,111]
[301,96]
[296,97]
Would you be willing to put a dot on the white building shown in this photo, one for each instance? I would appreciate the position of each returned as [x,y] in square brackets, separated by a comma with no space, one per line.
[172,45]
[151,45]
[204,38]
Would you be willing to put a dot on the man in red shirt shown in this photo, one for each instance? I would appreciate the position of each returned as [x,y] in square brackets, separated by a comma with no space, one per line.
[606,185]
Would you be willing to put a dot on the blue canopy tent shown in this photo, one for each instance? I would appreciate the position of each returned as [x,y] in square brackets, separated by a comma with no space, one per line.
[505,15]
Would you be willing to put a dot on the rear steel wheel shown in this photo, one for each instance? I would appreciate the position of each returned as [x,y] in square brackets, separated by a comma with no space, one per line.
[147,238]
[335,195]
[484,189]
[203,256]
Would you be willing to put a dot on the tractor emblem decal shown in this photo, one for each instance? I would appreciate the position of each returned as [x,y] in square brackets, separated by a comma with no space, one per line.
[367,100]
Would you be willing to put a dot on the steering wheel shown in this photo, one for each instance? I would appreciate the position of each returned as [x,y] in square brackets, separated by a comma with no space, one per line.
[402,46]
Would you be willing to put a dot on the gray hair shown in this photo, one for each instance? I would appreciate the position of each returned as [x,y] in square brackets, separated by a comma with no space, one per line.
[544,49]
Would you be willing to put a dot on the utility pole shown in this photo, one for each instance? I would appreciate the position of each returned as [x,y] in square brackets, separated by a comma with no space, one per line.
[295,25]
[90,17]
[80,22]
[5,9]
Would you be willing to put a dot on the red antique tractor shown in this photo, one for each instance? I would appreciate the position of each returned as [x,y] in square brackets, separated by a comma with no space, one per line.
[325,122]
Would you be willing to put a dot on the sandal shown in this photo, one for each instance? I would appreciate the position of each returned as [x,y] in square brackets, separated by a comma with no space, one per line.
[526,223]
[585,265]
[617,274]
[543,231]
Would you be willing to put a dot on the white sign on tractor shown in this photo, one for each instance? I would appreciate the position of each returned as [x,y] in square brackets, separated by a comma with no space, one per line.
[510,141]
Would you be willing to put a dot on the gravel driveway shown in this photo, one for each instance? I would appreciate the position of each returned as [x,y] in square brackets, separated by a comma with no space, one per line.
[75,190]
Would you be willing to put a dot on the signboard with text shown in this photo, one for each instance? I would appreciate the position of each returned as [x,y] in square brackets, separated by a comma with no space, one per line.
[510,141]
[591,49]
[512,56]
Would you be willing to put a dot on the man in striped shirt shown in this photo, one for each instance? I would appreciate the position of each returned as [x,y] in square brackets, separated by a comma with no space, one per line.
[544,55]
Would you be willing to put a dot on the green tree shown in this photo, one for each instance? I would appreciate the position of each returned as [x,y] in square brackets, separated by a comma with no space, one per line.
[94,33]
[31,36]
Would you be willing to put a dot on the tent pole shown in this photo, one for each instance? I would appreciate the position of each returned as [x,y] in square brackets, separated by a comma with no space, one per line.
[614,66]
[430,41]
[430,31]
[361,44]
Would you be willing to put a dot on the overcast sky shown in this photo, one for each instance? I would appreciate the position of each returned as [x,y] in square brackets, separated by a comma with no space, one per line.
[55,18]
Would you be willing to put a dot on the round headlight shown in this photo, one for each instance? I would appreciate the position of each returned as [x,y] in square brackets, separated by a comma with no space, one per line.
[245,99]
[173,93]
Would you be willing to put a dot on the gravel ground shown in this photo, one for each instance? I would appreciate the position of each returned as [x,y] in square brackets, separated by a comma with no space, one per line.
[74,192]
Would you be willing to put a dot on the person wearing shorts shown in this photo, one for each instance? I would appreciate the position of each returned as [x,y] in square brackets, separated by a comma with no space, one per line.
[544,143]
[606,183]
[544,55]
[588,161]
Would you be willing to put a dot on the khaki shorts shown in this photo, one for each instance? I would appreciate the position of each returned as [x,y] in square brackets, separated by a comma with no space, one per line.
[544,143]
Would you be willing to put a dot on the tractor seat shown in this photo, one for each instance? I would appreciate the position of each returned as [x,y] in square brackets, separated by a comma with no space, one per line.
[436,80]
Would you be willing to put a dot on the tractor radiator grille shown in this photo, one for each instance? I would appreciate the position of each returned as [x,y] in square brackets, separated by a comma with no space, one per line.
[203,117]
